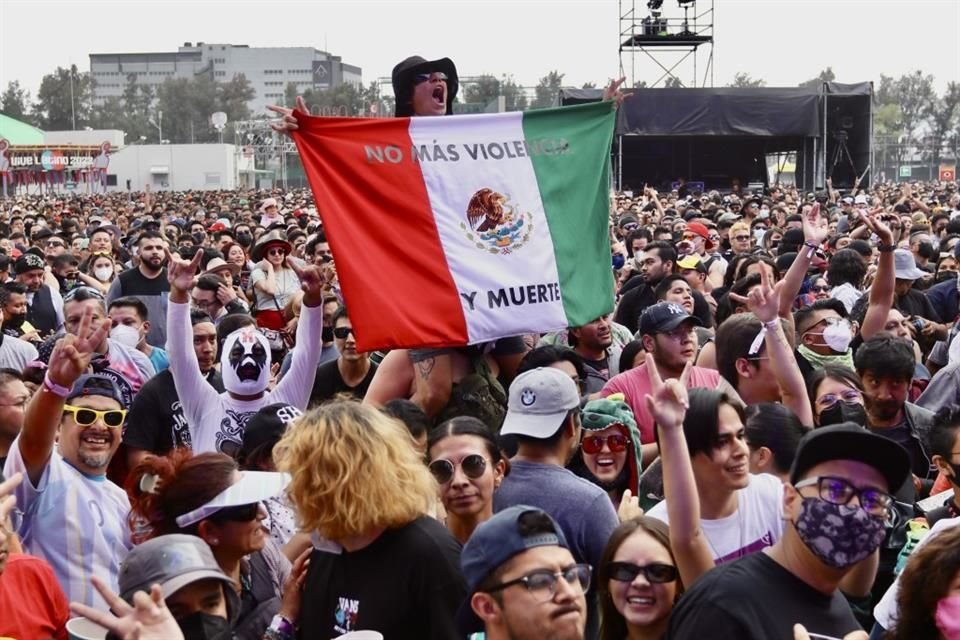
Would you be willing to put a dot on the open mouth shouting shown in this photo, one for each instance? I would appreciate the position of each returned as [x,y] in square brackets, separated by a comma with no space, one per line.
[439,95]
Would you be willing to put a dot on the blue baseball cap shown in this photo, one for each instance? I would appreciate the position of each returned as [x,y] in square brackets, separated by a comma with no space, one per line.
[493,543]
[95,384]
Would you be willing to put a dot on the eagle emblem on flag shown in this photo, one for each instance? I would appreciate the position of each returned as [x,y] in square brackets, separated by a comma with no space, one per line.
[495,225]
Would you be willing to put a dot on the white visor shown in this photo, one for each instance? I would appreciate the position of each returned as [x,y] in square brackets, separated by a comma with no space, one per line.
[253,486]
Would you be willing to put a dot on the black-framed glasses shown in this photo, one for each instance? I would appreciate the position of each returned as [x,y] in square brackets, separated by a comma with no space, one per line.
[87,293]
[839,491]
[426,77]
[473,466]
[542,583]
[742,238]
[85,417]
[342,332]
[655,573]
[276,251]
[820,289]
[241,513]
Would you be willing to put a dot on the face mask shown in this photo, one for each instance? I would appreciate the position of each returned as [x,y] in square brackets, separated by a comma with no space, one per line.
[198,238]
[126,335]
[837,336]
[947,616]
[204,626]
[925,250]
[839,535]
[618,261]
[764,213]
[102,273]
[327,334]
[945,275]
[758,234]
[245,239]
[844,412]
[245,362]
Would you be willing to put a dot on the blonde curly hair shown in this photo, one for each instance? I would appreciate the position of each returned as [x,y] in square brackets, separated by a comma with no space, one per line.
[354,470]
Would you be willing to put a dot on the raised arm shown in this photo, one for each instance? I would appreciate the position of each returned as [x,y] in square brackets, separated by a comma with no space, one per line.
[69,360]
[668,405]
[884,281]
[295,387]
[763,302]
[814,232]
[432,382]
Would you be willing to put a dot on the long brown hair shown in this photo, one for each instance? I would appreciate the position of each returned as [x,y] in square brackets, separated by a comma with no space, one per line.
[925,580]
[184,482]
[612,624]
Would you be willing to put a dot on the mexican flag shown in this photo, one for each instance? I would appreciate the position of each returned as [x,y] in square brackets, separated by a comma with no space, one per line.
[455,230]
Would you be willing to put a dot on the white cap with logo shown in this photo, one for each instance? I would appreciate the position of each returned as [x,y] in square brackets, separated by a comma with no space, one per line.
[539,401]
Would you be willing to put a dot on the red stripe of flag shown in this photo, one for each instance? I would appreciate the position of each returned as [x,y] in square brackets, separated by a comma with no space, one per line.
[392,268]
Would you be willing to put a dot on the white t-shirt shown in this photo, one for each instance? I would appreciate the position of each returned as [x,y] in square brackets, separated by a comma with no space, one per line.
[885,613]
[287,285]
[217,420]
[77,523]
[755,525]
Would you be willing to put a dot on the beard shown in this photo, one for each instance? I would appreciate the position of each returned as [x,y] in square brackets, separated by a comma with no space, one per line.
[882,410]
[94,460]
[152,264]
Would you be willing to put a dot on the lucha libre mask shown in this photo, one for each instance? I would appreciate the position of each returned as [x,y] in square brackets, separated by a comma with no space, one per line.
[245,362]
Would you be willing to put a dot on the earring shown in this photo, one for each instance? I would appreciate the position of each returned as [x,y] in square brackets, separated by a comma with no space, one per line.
[214,541]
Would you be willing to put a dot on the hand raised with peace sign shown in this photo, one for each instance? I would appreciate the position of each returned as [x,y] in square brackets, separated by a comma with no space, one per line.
[667,400]
[878,226]
[147,619]
[815,227]
[72,354]
[763,301]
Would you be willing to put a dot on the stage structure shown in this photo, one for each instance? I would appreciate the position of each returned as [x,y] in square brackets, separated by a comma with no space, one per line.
[716,136]
[659,51]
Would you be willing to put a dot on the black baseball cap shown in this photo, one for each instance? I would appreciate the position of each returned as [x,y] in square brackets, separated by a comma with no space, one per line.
[663,317]
[850,441]
[267,426]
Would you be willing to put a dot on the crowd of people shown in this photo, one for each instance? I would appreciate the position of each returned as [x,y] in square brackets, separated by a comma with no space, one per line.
[759,440]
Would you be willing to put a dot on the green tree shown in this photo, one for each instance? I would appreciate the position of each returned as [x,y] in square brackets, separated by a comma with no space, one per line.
[547,90]
[290,95]
[234,96]
[940,115]
[744,80]
[15,102]
[64,100]
[826,75]
[112,114]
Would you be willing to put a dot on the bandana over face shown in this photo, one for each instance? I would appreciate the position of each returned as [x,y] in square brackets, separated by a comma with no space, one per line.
[245,362]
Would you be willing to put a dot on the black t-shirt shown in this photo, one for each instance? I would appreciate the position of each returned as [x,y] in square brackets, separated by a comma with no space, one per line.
[756,598]
[156,422]
[901,435]
[914,303]
[328,383]
[632,305]
[406,585]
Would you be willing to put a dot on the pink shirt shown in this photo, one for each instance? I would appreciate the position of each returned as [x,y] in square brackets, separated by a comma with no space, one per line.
[634,384]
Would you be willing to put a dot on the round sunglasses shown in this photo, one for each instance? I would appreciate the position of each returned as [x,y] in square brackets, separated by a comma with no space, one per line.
[656,573]
[473,466]
[616,443]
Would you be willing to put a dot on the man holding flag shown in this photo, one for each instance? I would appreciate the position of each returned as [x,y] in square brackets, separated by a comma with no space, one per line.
[503,217]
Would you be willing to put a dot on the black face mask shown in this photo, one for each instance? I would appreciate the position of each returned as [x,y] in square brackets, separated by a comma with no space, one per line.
[943,276]
[844,412]
[203,626]
[925,250]
[245,239]
[198,237]
[327,334]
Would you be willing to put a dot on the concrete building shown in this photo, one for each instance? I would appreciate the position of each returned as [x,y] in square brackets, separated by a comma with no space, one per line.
[269,69]
[182,167]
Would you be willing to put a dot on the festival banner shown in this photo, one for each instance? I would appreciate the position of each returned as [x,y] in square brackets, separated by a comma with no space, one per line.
[456,230]
[948,172]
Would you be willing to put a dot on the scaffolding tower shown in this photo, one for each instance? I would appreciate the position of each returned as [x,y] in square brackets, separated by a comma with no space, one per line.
[678,47]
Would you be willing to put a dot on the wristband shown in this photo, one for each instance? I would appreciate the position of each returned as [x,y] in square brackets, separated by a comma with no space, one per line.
[886,248]
[770,325]
[55,388]
[281,625]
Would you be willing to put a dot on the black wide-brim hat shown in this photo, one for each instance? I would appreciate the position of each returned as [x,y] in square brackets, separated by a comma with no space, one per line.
[402,78]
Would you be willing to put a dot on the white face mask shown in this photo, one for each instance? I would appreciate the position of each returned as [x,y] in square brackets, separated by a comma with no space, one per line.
[102,273]
[245,362]
[126,335]
[837,336]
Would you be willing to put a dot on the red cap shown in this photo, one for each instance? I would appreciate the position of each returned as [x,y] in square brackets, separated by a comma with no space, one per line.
[698,228]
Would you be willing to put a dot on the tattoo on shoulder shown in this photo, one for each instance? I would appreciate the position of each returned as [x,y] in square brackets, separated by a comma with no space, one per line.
[425,367]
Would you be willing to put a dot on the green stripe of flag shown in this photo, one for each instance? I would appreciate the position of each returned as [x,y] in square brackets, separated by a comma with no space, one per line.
[575,190]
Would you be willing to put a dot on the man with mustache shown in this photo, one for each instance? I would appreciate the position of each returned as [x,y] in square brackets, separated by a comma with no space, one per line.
[147,281]
[75,518]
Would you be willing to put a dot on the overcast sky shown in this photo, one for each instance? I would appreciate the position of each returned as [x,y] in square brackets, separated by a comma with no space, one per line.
[781,41]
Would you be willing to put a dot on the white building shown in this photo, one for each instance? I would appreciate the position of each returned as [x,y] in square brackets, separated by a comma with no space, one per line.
[269,69]
[181,167]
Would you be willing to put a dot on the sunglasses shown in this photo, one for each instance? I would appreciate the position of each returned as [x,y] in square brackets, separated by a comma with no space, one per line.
[242,513]
[473,466]
[741,238]
[821,289]
[89,292]
[616,443]
[84,417]
[426,77]
[656,573]
[342,332]
[276,251]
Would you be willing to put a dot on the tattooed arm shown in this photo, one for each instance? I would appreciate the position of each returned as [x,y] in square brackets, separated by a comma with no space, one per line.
[432,380]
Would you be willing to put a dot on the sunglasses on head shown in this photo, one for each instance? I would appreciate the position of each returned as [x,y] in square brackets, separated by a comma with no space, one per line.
[473,466]
[84,417]
[616,443]
[656,573]
[426,77]
[88,292]
[342,332]
[242,513]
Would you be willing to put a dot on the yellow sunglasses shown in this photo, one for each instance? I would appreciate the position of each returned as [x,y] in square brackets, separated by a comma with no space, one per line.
[113,418]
